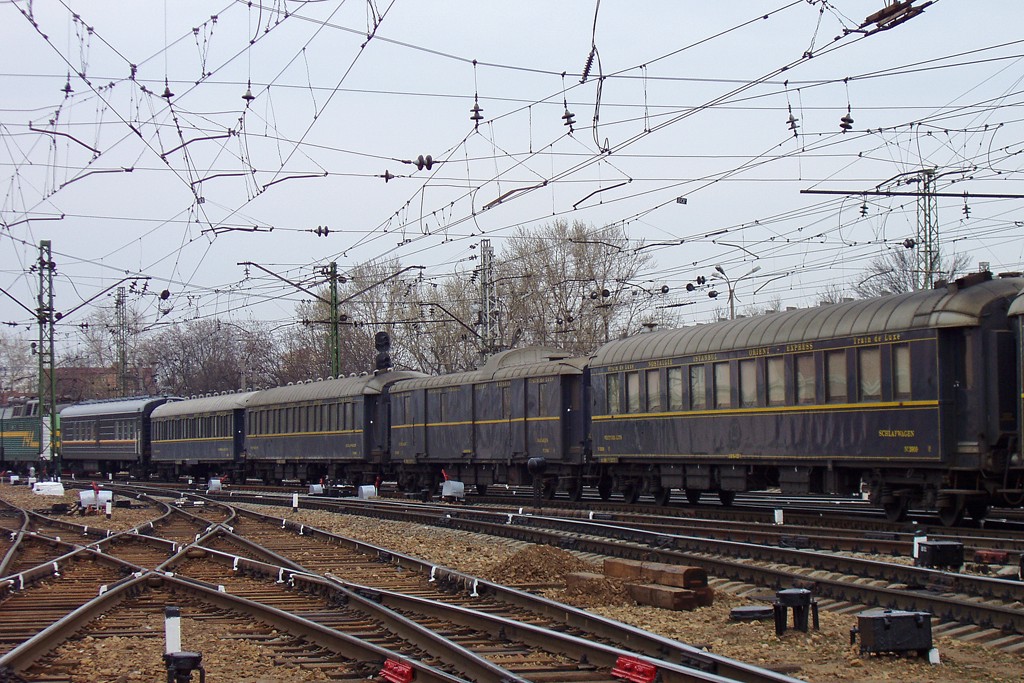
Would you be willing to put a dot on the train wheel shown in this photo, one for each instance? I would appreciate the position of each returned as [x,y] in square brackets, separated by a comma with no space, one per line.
[896,509]
[951,513]
[978,510]
[604,489]
[631,493]
[575,490]
[726,497]
[662,495]
[693,496]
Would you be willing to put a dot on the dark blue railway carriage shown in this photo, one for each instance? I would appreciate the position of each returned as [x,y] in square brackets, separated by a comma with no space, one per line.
[334,428]
[200,436]
[907,393]
[483,427]
[108,436]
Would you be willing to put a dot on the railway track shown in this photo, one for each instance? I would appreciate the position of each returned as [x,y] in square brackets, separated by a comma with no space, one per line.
[442,624]
[389,578]
[990,605]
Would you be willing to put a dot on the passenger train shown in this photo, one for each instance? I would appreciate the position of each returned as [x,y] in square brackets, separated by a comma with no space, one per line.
[914,398]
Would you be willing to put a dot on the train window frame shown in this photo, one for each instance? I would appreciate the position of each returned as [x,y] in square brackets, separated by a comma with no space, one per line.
[698,387]
[837,385]
[721,376]
[506,402]
[652,390]
[632,385]
[676,392]
[775,380]
[747,372]
[804,379]
[869,374]
[613,393]
[543,401]
[902,373]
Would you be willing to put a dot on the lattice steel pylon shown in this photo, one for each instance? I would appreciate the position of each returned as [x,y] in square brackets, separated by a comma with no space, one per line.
[928,257]
[121,340]
[488,301]
[47,376]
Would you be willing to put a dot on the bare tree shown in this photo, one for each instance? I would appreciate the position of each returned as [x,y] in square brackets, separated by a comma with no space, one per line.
[833,293]
[575,287]
[205,356]
[18,371]
[442,335]
[896,272]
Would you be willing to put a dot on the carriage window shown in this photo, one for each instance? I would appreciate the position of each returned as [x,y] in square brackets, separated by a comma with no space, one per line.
[543,399]
[506,402]
[805,378]
[723,387]
[675,388]
[869,368]
[776,368]
[835,369]
[633,392]
[698,395]
[748,383]
[614,403]
[653,391]
[901,370]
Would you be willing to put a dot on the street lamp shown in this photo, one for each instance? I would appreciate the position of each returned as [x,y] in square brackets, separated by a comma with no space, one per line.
[731,286]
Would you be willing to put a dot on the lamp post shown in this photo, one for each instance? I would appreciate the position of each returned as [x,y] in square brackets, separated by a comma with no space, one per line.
[730,284]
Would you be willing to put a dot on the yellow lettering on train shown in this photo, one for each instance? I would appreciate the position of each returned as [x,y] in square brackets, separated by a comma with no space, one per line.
[896,433]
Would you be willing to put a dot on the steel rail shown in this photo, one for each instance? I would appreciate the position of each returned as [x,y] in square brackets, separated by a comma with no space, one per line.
[23,656]
[643,642]
[620,541]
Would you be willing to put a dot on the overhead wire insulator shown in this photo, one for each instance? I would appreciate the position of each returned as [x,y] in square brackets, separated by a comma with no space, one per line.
[589,64]
[322,231]
[67,89]
[792,123]
[167,95]
[846,123]
[477,113]
[424,162]
[387,176]
[248,96]
[909,243]
[569,118]
[863,209]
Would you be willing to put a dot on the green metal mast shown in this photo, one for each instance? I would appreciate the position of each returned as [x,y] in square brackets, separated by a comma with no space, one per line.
[48,449]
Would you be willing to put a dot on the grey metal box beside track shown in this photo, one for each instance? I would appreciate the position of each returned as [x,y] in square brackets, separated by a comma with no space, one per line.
[883,630]
[940,554]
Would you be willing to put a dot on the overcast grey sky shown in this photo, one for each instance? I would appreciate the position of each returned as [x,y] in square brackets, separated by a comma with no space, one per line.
[684,99]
